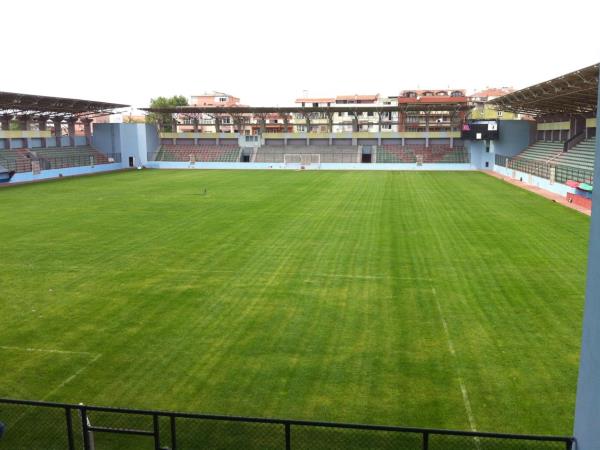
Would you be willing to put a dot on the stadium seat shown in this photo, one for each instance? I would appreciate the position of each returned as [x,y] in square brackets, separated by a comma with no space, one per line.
[18,160]
[435,153]
[199,153]
[581,156]
[542,151]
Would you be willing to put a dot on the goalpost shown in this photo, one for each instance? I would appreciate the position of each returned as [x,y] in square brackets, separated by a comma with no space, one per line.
[302,160]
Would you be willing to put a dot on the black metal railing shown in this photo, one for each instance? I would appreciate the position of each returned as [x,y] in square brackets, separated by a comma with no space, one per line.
[547,170]
[573,141]
[39,425]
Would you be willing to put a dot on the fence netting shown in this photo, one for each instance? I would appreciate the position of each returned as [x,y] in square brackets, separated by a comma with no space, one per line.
[556,172]
[49,426]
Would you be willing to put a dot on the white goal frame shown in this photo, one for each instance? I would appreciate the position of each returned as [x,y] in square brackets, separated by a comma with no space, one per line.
[302,160]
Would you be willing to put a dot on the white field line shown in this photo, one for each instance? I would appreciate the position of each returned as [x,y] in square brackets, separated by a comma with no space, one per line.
[61,385]
[45,350]
[308,274]
[463,388]
[72,377]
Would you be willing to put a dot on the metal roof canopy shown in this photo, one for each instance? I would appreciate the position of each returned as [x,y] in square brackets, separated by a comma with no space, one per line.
[354,108]
[572,93]
[26,104]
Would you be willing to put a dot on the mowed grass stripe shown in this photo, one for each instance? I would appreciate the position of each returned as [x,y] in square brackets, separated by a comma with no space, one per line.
[298,294]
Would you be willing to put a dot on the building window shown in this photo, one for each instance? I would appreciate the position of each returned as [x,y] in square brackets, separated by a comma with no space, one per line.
[222,99]
[499,113]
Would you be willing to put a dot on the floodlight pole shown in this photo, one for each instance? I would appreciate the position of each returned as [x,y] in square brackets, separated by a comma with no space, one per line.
[587,407]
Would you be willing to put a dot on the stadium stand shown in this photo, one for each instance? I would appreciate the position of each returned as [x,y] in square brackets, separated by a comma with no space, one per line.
[545,157]
[436,153]
[581,156]
[200,153]
[543,151]
[20,160]
[62,157]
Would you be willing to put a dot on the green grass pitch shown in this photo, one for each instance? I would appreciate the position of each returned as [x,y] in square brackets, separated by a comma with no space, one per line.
[447,300]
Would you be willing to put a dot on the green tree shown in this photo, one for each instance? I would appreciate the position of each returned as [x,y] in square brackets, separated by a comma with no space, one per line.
[165,102]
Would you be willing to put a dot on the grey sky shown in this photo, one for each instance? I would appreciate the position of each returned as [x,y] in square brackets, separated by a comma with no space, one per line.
[269,52]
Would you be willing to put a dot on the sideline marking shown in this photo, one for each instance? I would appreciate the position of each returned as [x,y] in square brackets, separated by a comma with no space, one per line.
[61,385]
[463,388]
[43,350]
[308,274]
[72,377]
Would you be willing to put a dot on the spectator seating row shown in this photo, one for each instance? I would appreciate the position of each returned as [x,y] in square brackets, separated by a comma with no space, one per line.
[20,160]
[436,153]
[199,153]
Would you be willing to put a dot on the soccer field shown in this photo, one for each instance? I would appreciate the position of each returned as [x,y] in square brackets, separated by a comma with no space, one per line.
[447,300]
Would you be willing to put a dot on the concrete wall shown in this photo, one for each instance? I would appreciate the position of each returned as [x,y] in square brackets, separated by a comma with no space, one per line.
[129,139]
[152,139]
[515,136]
[587,408]
[479,157]
[542,183]
[68,172]
[323,166]
[106,138]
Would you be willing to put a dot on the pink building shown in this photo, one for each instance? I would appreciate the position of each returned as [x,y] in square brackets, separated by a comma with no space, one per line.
[214,99]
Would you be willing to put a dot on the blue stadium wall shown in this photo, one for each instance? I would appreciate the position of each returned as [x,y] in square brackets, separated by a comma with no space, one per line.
[515,136]
[131,140]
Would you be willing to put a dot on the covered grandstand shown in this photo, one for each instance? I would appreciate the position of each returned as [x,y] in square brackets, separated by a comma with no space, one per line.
[28,144]
[564,108]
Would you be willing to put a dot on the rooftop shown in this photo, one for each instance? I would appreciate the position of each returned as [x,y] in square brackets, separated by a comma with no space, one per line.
[573,93]
[25,104]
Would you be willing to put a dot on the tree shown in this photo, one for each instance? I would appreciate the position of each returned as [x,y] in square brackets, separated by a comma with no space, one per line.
[165,102]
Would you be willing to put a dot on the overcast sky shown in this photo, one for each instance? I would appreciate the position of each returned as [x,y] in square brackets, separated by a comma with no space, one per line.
[270,52]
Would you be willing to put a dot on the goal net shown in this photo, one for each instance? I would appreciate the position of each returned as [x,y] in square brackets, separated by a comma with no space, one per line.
[302,160]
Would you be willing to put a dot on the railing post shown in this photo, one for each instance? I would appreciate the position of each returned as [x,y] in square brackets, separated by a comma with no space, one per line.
[173,434]
[156,427]
[288,437]
[69,428]
[425,440]
[84,428]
